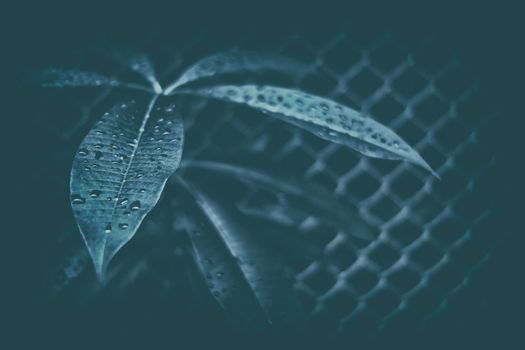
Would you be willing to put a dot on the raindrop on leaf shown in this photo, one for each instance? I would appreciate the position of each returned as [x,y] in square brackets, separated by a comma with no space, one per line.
[77,199]
[135,205]
[95,193]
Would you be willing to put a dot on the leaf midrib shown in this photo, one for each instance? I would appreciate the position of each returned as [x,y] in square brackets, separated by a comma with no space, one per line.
[131,158]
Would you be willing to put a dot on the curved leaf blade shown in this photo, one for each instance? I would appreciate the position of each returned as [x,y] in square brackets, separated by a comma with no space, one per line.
[314,199]
[119,172]
[234,62]
[245,279]
[324,118]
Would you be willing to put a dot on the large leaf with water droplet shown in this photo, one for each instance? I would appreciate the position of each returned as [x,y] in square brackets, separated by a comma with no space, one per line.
[293,192]
[245,278]
[234,62]
[322,117]
[119,172]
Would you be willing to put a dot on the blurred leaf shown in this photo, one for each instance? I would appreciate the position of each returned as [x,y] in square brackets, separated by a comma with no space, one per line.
[245,278]
[234,62]
[316,200]
[58,78]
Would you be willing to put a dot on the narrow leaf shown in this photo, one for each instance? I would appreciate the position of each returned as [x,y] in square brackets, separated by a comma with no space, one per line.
[119,172]
[74,78]
[142,65]
[313,199]
[244,278]
[234,62]
[325,118]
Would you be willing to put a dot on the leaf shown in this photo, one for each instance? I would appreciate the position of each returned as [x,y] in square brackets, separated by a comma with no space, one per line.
[74,78]
[245,279]
[119,172]
[59,78]
[234,62]
[314,199]
[142,65]
[325,118]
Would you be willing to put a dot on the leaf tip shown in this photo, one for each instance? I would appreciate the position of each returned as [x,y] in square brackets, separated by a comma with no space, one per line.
[422,163]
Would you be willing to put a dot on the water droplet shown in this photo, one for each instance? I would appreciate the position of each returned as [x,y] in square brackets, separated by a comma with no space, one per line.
[77,199]
[123,201]
[94,193]
[83,152]
[107,229]
[123,226]
[142,190]
[99,146]
[220,274]
[396,144]
[135,205]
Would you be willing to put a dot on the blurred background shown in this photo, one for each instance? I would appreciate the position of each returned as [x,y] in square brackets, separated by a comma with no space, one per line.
[440,265]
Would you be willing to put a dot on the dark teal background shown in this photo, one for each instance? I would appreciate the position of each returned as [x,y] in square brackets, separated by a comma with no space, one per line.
[40,35]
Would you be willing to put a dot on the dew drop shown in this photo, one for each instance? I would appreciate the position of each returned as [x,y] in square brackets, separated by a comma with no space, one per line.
[94,193]
[135,205]
[396,144]
[83,152]
[123,226]
[77,199]
[123,201]
[142,190]
[107,229]
[220,274]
